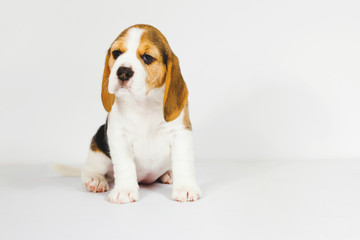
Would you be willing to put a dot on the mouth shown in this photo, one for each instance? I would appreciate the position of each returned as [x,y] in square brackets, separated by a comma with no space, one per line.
[122,88]
[122,85]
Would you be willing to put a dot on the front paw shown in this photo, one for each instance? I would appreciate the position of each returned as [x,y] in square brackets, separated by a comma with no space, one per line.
[124,195]
[183,193]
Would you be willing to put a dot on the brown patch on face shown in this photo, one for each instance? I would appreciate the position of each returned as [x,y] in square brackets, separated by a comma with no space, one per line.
[153,43]
[186,119]
[118,44]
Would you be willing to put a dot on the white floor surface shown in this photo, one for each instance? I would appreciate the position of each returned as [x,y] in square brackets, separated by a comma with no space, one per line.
[241,200]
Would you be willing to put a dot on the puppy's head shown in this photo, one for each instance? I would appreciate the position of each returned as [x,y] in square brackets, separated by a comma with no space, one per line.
[139,60]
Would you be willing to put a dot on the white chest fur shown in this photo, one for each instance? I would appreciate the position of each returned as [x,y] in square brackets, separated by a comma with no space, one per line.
[151,154]
[139,125]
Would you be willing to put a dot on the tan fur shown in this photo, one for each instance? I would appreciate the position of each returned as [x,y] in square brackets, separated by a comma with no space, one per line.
[118,44]
[176,92]
[186,118]
[93,145]
[156,70]
[107,98]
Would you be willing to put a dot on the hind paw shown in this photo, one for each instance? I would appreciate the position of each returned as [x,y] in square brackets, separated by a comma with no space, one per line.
[167,177]
[96,184]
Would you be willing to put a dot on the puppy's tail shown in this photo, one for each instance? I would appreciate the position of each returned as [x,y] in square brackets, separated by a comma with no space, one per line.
[67,171]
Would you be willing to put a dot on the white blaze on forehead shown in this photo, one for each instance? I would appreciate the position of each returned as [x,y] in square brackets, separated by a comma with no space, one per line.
[133,39]
[136,85]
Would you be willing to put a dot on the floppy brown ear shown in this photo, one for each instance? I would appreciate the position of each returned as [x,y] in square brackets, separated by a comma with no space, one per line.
[176,92]
[107,98]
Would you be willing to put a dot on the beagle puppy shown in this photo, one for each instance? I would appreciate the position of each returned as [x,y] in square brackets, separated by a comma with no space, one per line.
[147,135]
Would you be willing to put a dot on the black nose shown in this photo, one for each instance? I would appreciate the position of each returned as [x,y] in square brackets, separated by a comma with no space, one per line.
[124,73]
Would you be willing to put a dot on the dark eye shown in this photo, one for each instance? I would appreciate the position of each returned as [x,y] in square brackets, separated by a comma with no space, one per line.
[147,59]
[116,53]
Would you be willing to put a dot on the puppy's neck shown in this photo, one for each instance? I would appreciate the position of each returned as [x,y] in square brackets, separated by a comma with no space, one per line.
[146,107]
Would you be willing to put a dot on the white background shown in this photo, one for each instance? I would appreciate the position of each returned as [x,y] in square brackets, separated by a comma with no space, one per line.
[274,102]
[267,79]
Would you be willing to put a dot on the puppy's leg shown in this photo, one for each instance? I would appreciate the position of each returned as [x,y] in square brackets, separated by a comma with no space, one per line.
[98,163]
[94,170]
[185,187]
[167,177]
[126,187]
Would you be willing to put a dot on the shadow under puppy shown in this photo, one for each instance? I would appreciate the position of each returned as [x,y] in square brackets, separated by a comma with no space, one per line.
[147,135]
